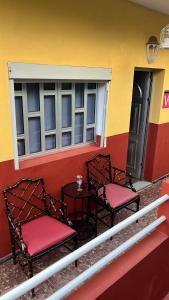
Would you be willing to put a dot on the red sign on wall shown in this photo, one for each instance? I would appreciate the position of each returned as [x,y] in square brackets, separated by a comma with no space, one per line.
[166,100]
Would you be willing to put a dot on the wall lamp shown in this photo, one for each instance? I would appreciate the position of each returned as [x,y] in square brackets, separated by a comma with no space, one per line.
[152,46]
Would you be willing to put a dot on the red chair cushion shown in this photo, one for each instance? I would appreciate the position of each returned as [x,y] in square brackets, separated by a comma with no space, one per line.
[117,195]
[44,232]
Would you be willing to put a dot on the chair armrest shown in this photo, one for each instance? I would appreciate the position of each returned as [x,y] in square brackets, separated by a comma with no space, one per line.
[102,196]
[122,177]
[17,233]
[57,209]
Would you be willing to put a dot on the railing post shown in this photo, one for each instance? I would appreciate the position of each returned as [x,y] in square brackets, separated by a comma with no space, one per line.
[163,209]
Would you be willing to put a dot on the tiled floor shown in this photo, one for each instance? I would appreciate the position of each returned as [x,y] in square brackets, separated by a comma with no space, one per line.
[11,276]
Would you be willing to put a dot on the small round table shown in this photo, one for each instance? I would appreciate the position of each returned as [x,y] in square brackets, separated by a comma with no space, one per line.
[83,220]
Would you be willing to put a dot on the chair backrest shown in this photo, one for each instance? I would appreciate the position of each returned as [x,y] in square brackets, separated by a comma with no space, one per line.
[25,200]
[99,171]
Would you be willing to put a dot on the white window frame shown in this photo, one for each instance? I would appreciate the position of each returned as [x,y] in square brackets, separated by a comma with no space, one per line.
[27,72]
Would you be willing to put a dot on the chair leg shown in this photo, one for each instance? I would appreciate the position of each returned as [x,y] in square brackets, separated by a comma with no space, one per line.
[112,221]
[30,274]
[96,219]
[112,218]
[13,249]
[75,247]
[137,207]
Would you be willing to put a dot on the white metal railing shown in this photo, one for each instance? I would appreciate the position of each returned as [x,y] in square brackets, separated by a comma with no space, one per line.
[97,267]
[65,261]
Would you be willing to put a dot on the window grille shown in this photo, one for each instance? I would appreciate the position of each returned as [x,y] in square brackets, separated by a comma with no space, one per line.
[54,115]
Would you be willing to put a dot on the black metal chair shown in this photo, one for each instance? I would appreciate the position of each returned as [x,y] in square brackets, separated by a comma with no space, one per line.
[113,187]
[38,223]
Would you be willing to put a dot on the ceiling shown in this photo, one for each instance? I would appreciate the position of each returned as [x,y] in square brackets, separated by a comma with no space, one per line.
[158,5]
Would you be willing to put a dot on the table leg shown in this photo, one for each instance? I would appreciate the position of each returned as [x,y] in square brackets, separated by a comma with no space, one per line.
[75,208]
[62,195]
[88,207]
[82,208]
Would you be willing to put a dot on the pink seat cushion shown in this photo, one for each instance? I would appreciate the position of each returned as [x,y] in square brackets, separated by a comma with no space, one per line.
[117,195]
[44,232]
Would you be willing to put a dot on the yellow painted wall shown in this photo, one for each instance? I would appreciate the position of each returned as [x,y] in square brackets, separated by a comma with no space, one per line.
[95,33]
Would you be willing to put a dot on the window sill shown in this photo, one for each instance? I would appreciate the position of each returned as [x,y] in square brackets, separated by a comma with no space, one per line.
[36,161]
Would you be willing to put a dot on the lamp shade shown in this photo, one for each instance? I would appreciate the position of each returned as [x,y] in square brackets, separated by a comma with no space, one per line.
[164,37]
[152,47]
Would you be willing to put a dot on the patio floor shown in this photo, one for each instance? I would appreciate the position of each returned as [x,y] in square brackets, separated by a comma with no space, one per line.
[11,275]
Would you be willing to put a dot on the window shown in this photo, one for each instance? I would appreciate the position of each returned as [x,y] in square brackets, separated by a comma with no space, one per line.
[57,107]
[54,115]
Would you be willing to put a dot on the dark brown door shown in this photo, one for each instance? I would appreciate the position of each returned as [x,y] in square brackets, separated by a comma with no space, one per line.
[138,123]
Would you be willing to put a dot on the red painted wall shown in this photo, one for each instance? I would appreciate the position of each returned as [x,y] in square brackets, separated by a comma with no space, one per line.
[157,161]
[150,152]
[56,173]
[140,274]
[61,168]
[117,146]
[57,170]
[147,280]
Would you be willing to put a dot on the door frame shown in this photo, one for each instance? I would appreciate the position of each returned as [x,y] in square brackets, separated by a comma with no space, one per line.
[145,138]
